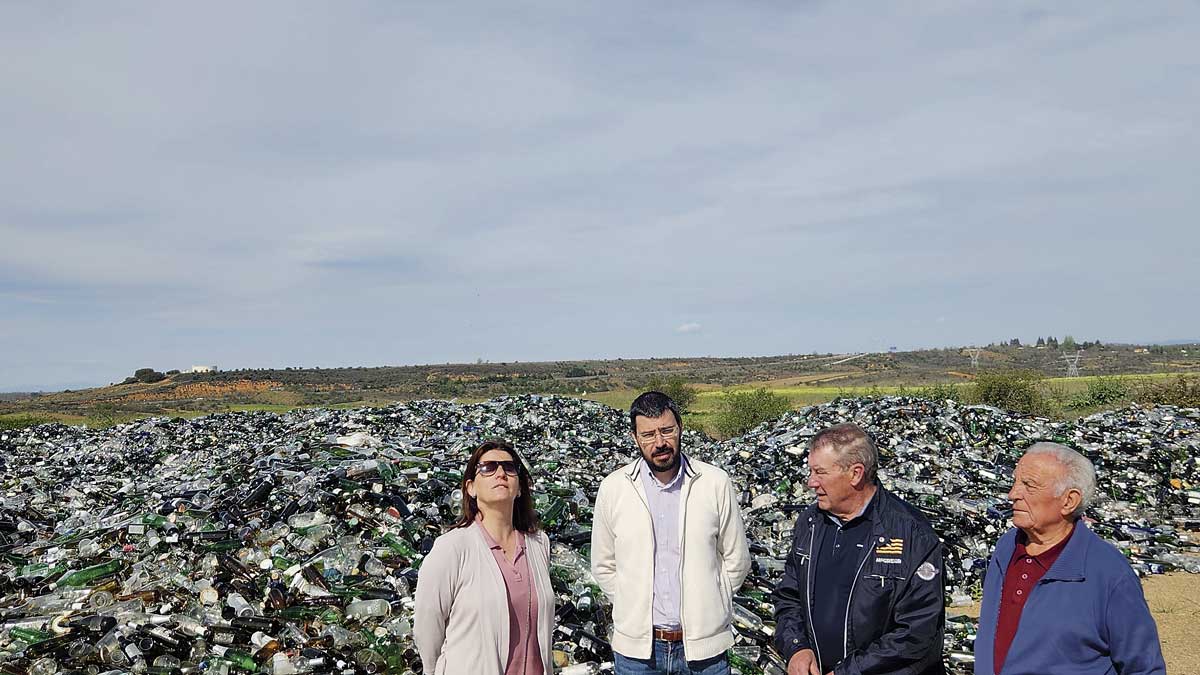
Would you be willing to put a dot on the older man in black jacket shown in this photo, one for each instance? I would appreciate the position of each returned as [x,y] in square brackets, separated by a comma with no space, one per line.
[862,591]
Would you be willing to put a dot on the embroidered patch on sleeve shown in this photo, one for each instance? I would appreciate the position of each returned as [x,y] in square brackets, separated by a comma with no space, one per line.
[927,571]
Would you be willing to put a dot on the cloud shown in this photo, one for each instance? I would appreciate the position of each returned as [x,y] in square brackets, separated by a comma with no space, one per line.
[446,181]
[690,327]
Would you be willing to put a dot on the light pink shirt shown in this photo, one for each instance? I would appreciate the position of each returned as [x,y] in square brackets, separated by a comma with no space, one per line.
[524,652]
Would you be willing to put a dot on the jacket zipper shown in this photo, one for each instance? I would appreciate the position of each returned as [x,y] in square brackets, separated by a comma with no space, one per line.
[853,583]
[996,615]
[654,540]
[812,533]
[680,534]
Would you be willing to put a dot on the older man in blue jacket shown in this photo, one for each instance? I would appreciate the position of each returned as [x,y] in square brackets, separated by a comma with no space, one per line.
[1057,598]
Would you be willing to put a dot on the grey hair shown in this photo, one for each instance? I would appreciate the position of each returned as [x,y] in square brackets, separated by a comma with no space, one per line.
[1078,473]
[852,445]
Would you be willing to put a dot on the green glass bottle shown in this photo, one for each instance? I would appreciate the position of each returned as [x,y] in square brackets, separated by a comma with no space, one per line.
[87,575]
[41,570]
[784,487]
[554,513]
[742,665]
[350,485]
[154,520]
[386,471]
[560,490]
[226,545]
[237,659]
[399,546]
[29,635]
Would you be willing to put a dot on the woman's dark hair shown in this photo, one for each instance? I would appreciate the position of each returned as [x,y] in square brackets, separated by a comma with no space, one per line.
[525,518]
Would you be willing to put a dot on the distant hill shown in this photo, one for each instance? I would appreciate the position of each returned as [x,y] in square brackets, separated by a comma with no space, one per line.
[191,393]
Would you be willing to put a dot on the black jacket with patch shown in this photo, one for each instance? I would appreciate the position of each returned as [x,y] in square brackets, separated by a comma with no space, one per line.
[896,614]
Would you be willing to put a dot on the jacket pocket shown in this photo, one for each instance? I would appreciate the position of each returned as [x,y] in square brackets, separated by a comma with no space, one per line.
[726,592]
[872,605]
[799,554]
[628,606]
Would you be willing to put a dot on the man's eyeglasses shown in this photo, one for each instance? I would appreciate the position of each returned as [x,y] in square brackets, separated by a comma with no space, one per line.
[666,432]
[489,467]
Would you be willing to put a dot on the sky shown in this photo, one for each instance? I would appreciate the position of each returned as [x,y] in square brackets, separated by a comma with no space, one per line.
[277,184]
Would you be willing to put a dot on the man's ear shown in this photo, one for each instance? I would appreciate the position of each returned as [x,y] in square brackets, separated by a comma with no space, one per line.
[858,477]
[1071,501]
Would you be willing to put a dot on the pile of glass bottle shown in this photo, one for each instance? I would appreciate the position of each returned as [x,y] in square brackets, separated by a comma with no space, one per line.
[258,542]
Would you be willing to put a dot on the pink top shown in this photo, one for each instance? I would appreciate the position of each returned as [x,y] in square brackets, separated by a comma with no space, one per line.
[524,652]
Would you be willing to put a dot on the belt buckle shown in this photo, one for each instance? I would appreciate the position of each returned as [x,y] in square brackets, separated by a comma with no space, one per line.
[672,635]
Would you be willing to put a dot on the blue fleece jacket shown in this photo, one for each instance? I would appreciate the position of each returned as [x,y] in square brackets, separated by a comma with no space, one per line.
[1086,615]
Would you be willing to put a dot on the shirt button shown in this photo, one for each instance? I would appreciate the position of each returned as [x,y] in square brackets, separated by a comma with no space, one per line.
[1024,576]
[795,642]
[1029,561]
[1019,592]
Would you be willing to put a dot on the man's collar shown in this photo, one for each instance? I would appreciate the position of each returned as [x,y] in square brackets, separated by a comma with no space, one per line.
[683,463]
[1071,562]
[1073,557]
[865,513]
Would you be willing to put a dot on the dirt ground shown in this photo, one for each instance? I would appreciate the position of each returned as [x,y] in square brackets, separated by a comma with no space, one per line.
[1174,601]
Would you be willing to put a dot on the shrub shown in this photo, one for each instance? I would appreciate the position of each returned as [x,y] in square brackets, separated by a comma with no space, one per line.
[577,371]
[1100,391]
[148,375]
[104,415]
[1015,390]
[680,391]
[741,411]
[22,421]
[1183,391]
[939,392]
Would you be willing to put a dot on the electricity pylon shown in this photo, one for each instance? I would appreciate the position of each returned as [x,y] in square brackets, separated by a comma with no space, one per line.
[1072,363]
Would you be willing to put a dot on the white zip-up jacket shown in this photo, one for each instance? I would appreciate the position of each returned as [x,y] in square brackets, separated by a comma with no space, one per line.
[714,559]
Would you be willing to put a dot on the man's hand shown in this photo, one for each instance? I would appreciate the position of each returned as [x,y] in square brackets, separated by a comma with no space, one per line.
[803,662]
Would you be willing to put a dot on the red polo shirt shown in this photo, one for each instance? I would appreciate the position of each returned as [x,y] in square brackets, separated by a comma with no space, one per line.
[1024,571]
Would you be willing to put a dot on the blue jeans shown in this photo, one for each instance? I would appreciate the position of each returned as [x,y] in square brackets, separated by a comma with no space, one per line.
[667,659]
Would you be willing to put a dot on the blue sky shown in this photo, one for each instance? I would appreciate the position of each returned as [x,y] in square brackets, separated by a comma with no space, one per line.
[369,183]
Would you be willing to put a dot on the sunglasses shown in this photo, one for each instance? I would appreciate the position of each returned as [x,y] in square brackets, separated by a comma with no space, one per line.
[489,467]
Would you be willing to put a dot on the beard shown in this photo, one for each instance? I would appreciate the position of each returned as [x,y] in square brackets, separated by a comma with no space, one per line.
[669,464]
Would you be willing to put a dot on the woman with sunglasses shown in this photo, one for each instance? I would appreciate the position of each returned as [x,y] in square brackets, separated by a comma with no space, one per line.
[484,603]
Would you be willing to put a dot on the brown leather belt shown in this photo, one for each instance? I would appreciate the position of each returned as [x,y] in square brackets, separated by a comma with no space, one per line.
[668,635]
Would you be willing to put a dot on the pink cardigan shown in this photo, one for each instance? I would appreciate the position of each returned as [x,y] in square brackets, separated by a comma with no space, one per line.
[460,574]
